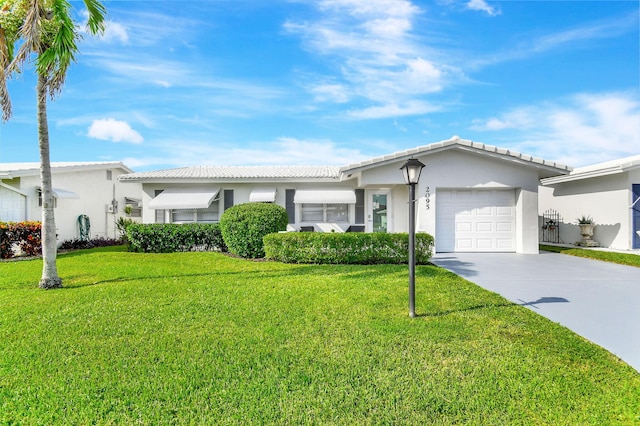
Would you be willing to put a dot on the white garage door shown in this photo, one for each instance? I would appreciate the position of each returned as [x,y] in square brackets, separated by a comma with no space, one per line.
[475,220]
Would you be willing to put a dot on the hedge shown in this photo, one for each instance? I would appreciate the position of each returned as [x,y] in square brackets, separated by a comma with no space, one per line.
[78,244]
[172,237]
[345,248]
[25,236]
[243,227]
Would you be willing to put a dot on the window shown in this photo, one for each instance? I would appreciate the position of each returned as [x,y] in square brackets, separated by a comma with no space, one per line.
[109,175]
[133,207]
[159,212]
[228,198]
[290,205]
[208,215]
[54,199]
[324,212]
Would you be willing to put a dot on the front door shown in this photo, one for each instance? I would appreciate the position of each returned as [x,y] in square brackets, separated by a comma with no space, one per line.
[378,212]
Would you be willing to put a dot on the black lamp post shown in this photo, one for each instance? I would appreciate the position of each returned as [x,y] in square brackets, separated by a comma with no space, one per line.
[411,171]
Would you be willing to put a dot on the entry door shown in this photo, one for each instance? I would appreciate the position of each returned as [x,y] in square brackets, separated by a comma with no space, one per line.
[378,217]
[636,215]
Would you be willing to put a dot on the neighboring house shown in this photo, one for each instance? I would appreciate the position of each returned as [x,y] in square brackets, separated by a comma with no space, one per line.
[471,196]
[608,192]
[90,189]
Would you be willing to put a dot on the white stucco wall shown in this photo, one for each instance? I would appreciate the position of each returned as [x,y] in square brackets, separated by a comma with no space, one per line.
[12,205]
[456,169]
[241,192]
[94,191]
[606,199]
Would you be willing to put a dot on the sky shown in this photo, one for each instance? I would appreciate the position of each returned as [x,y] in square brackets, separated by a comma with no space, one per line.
[270,82]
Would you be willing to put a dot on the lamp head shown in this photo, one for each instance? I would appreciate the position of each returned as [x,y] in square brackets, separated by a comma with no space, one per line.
[411,170]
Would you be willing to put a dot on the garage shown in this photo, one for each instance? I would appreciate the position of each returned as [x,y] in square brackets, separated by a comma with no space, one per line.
[475,220]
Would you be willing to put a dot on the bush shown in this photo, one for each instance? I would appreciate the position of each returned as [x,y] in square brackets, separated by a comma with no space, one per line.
[244,225]
[77,243]
[171,237]
[347,248]
[25,236]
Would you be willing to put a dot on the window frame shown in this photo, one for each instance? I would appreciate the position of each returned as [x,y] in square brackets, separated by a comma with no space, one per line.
[343,210]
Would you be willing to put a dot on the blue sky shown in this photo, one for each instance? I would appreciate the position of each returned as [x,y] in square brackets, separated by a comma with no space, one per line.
[250,82]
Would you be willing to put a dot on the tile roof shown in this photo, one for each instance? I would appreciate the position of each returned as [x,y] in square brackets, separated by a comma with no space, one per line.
[237,172]
[453,143]
[34,167]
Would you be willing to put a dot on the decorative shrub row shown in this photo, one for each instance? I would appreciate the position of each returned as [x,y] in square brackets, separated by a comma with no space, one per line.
[171,237]
[244,225]
[347,248]
[77,244]
[25,236]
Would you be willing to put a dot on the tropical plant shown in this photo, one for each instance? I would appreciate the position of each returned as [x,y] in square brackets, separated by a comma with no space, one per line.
[121,225]
[585,220]
[44,29]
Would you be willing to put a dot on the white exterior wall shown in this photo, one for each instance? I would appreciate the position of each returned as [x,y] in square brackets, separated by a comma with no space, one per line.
[241,192]
[606,199]
[454,170]
[94,191]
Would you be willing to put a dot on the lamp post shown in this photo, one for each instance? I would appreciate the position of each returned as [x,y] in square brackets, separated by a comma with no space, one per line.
[411,171]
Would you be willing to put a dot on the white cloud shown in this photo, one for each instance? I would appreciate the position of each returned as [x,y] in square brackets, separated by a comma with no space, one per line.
[483,6]
[605,28]
[114,130]
[582,129]
[399,126]
[371,7]
[388,27]
[115,31]
[282,151]
[380,59]
[567,37]
[393,110]
[330,93]
[519,118]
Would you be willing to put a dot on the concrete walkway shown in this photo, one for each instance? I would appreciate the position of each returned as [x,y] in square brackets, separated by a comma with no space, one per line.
[598,300]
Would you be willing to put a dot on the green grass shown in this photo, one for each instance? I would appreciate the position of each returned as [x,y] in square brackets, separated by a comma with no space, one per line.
[201,338]
[607,256]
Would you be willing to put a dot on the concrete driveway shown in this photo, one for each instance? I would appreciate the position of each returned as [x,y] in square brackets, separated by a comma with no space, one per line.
[598,300]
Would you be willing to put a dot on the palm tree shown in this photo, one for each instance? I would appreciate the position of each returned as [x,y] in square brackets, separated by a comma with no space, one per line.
[46,29]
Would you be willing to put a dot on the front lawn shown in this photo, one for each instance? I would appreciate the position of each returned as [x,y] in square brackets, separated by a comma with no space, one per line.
[629,259]
[202,338]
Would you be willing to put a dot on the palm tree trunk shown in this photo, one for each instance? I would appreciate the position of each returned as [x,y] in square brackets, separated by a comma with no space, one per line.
[50,277]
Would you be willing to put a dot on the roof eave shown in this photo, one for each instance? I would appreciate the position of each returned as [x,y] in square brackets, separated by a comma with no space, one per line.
[581,176]
[177,180]
[463,145]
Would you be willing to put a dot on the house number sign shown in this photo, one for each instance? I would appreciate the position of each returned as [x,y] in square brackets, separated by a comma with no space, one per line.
[427,194]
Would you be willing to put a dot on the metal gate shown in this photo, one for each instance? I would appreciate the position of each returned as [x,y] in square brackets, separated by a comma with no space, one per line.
[551,220]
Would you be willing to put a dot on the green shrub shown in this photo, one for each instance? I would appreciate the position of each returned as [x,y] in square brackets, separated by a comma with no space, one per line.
[347,248]
[78,244]
[244,225]
[171,237]
[23,235]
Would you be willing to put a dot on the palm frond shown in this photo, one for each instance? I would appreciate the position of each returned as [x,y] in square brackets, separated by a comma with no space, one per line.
[30,35]
[55,60]
[97,14]
[5,100]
